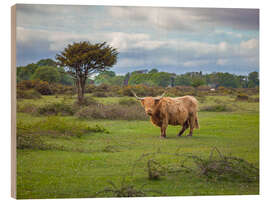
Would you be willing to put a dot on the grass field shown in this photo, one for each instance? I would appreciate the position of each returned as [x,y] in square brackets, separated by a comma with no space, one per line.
[83,166]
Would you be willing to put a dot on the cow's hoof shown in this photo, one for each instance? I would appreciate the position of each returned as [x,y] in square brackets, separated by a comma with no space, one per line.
[179,135]
[189,135]
[162,137]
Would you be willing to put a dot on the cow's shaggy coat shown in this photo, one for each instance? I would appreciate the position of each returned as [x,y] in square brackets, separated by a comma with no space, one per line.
[164,111]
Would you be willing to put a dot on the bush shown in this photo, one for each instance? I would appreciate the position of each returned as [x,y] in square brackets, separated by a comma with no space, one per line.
[28,94]
[250,99]
[155,169]
[56,126]
[242,97]
[126,189]
[99,94]
[56,109]
[43,88]
[27,139]
[223,168]
[113,112]
[27,108]
[87,101]
[127,101]
[62,89]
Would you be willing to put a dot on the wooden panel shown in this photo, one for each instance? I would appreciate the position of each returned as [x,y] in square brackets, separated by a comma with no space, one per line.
[13,101]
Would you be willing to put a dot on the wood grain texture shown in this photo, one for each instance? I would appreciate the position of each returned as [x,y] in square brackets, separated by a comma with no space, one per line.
[13,101]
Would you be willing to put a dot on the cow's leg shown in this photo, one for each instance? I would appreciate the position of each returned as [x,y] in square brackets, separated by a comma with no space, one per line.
[185,126]
[164,127]
[191,124]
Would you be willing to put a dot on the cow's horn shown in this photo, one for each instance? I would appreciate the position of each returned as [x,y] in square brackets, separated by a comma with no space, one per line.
[160,97]
[139,98]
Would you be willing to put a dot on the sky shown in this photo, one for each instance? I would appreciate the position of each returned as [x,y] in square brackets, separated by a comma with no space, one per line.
[176,40]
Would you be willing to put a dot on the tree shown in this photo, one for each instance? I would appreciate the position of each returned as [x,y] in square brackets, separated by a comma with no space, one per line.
[253,79]
[65,78]
[46,62]
[47,73]
[84,59]
[196,82]
[25,72]
[154,70]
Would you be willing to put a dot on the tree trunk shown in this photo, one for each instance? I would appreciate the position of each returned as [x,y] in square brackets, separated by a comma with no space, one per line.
[80,89]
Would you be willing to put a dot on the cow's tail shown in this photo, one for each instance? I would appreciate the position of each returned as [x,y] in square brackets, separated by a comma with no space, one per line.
[197,122]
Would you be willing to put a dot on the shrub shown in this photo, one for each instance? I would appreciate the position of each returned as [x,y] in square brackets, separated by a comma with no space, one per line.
[155,169]
[43,88]
[99,94]
[125,189]
[223,168]
[127,101]
[26,84]
[87,101]
[250,99]
[242,97]
[62,89]
[201,99]
[26,138]
[28,94]
[113,112]
[56,109]
[27,108]
[56,126]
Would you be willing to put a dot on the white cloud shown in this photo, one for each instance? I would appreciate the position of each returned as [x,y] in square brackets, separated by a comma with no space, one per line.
[190,19]
[179,52]
[222,62]
[229,33]
[250,44]
[195,63]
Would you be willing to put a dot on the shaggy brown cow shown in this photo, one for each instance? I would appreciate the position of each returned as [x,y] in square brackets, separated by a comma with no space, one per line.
[166,111]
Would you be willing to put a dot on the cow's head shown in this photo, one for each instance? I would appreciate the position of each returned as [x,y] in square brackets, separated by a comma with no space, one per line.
[149,103]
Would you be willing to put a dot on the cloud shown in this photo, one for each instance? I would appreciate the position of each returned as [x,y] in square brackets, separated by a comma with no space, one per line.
[222,62]
[190,19]
[139,49]
[170,39]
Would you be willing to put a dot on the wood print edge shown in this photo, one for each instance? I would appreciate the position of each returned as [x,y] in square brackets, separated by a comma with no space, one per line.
[13,101]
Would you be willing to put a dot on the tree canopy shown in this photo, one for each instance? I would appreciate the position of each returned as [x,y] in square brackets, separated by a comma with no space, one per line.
[83,59]
[47,73]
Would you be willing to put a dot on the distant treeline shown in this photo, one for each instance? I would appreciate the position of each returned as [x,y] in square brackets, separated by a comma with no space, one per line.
[47,70]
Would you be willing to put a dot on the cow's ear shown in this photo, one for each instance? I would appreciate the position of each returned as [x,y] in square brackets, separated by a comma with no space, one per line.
[142,102]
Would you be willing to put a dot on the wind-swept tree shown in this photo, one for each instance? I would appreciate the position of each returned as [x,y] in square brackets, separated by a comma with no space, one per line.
[84,59]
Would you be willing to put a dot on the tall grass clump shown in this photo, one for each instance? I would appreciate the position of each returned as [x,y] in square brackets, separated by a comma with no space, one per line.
[59,127]
[27,138]
[28,94]
[222,168]
[112,112]
[242,97]
[60,108]
[126,189]
[27,108]
[87,101]
[127,101]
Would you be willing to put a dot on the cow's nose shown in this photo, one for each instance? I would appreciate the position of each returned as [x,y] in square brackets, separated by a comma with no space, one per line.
[149,112]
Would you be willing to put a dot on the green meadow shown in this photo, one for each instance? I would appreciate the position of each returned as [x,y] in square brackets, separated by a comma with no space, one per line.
[74,160]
